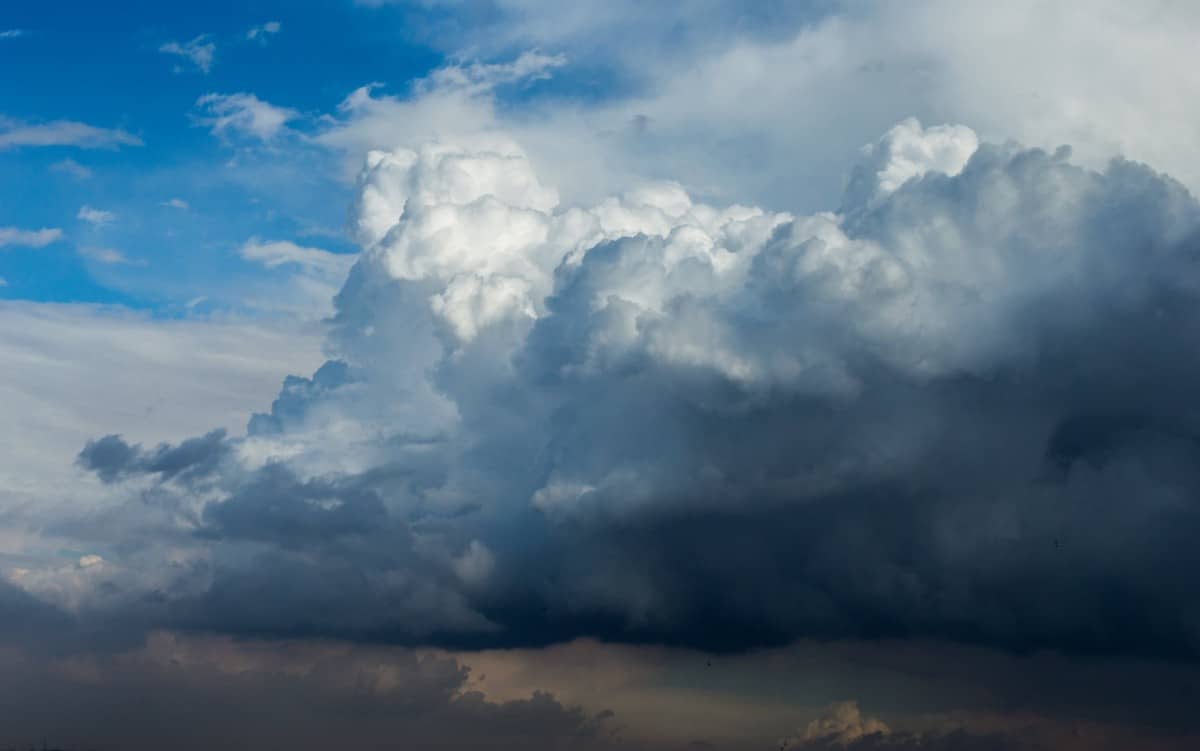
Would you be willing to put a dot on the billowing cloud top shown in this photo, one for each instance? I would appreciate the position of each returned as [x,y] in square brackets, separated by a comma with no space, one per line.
[932,413]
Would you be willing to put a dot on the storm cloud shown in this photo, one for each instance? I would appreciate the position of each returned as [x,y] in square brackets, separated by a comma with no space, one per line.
[956,408]
[200,693]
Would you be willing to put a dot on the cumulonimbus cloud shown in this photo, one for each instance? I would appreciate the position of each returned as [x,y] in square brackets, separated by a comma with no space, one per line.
[931,413]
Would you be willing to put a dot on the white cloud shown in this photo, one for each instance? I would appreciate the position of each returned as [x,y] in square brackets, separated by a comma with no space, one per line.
[95,216]
[108,256]
[72,168]
[14,133]
[177,203]
[261,32]
[30,238]
[199,52]
[13,33]
[909,151]
[244,114]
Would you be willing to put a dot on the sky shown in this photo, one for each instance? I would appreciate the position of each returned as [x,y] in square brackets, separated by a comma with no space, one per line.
[521,374]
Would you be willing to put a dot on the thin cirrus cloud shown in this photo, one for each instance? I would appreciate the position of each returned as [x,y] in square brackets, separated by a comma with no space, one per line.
[108,256]
[72,168]
[13,33]
[200,52]
[29,238]
[14,134]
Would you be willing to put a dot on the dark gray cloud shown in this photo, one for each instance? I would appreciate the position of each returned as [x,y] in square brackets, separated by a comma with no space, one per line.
[190,694]
[956,410]
[26,619]
[111,458]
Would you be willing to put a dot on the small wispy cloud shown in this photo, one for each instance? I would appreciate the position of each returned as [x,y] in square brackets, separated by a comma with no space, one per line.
[3,282]
[14,133]
[95,216]
[29,238]
[262,32]
[245,114]
[108,256]
[72,168]
[13,33]
[529,66]
[273,254]
[176,203]
[199,51]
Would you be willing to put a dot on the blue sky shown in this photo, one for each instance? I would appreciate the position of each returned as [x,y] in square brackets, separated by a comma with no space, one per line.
[85,63]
